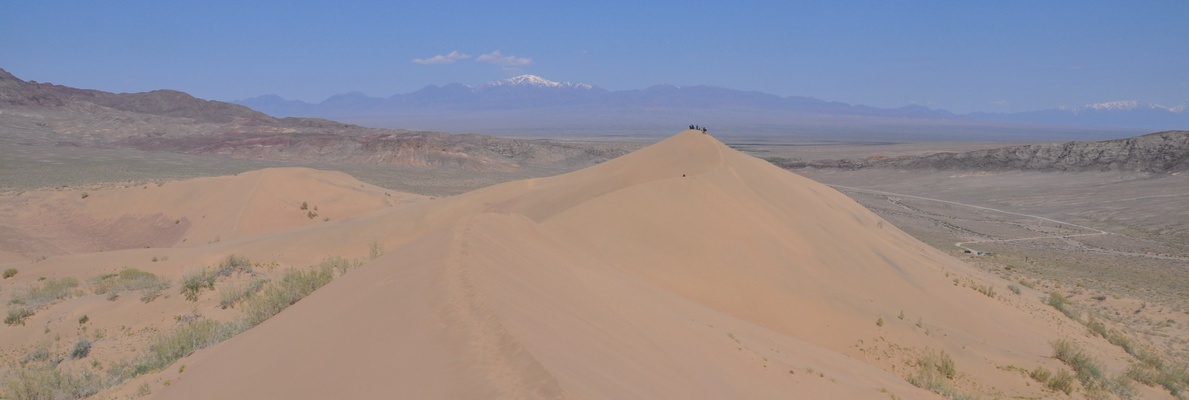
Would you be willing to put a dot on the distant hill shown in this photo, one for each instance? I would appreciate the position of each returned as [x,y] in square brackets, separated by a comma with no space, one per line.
[531,104]
[173,121]
[1159,152]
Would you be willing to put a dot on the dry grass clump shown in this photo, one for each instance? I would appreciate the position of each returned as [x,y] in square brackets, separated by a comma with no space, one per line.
[1062,381]
[9,273]
[235,293]
[1152,370]
[149,285]
[1089,372]
[934,373]
[26,302]
[183,341]
[193,283]
[273,296]
[1063,305]
[293,285]
[233,264]
[45,381]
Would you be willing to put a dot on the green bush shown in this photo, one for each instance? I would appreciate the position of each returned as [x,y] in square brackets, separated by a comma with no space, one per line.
[9,273]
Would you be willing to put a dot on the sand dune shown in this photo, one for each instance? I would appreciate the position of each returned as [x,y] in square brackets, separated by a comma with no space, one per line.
[683,270]
[181,214]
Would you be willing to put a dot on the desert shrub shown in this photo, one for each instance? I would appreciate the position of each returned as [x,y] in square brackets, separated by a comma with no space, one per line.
[47,292]
[1062,381]
[130,280]
[934,370]
[193,283]
[232,294]
[1040,374]
[1084,366]
[17,315]
[1097,327]
[305,206]
[1014,289]
[1062,304]
[47,382]
[375,250]
[38,354]
[987,290]
[26,302]
[81,348]
[233,264]
[1173,377]
[83,319]
[9,273]
[183,341]
[293,285]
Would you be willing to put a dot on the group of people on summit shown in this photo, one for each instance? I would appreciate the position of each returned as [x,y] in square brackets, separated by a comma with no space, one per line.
[698,128]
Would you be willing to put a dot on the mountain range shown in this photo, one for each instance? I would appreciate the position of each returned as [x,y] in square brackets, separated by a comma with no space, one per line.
[529,105]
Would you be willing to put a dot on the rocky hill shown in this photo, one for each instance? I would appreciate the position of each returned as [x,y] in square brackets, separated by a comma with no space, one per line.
[173,121]
[1153,153]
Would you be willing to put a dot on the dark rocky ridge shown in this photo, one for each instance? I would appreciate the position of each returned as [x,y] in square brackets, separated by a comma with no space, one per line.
[173,121]
[1159,152]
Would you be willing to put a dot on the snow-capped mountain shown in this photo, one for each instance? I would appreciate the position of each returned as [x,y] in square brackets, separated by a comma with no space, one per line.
[534,81]
[1124,105]
[532,103]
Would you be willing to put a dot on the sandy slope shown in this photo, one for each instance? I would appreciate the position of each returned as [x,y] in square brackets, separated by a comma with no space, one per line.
[180,214]
[683,270]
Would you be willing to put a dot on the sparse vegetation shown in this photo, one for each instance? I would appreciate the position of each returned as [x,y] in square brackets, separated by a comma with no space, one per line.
[1062,381]
[149,285]
[1062,304]
[183,341]
[26,302]
[233,294]
[233,264]
[293,285]
[9,273]
[934,372]
[305,206]
[312,214]
[1014,289]
[44,381]
[193,283]
[81,349]
[83,319]
[17,315]
[375,250]
[987,290]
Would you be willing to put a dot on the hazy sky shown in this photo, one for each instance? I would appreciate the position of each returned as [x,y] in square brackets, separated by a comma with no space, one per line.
[996,56]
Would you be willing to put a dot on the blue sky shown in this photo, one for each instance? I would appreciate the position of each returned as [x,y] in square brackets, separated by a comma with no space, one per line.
[956,55]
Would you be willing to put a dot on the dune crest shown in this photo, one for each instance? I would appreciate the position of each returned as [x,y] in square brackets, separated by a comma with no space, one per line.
[683,270]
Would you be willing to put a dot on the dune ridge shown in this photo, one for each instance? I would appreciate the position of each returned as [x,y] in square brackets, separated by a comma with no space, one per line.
[682,270]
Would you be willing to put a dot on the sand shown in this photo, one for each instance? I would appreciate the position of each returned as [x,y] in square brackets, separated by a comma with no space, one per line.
[683,270]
